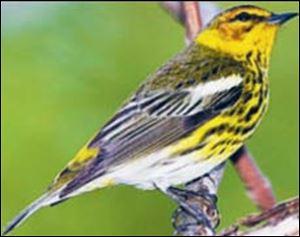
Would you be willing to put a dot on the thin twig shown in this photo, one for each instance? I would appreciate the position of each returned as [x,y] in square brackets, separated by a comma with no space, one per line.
[192,19]
[257,185]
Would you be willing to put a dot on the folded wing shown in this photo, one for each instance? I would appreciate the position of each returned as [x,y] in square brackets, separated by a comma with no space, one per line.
[151,121]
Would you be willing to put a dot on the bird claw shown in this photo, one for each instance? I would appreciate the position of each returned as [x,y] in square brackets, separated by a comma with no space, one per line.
[196,211]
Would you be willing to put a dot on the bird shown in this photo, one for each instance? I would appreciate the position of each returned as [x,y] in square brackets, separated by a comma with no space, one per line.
[185,119]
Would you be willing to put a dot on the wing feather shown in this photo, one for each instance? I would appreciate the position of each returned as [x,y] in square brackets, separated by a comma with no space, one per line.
[152,122]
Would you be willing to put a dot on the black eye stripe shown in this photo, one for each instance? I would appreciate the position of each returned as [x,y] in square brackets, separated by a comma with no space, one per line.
[244,16]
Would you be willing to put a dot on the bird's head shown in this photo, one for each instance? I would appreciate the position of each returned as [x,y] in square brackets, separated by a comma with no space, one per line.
[241,29]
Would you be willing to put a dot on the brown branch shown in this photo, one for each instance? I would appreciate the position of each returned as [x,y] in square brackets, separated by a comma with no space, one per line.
[281,220]
[192,19]
[258,187]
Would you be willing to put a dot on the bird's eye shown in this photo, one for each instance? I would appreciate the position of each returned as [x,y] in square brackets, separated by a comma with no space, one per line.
[244,16]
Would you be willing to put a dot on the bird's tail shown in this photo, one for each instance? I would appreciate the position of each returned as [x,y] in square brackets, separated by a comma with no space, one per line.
[45,200]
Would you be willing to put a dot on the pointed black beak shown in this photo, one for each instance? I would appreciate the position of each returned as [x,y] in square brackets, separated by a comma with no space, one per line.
[280,19]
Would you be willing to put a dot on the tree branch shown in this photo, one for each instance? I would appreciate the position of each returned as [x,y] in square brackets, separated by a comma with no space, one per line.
[192,19]
[257,185]
[281,220]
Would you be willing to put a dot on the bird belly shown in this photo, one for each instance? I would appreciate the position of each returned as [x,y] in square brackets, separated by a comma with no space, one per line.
[161,170]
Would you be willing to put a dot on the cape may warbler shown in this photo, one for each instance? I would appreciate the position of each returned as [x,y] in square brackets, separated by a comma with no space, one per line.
[186,118]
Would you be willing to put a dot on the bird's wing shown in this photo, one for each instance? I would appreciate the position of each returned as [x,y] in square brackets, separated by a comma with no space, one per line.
[150,121]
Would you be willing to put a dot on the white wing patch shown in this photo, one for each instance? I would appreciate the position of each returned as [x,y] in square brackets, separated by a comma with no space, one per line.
[212,87]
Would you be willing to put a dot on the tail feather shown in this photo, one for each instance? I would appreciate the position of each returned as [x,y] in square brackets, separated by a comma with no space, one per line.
[43,201]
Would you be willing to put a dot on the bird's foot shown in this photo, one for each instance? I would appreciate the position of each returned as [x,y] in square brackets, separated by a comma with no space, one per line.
[197,210]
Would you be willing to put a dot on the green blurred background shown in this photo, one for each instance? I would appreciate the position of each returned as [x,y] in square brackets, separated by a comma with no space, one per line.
[66,67]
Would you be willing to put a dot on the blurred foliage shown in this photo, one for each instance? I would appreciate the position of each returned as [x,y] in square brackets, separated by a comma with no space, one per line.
[67,68]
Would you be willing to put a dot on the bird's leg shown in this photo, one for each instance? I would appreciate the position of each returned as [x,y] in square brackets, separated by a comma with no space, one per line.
[186,225]
[188,199]
[199,209]
[201,195]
